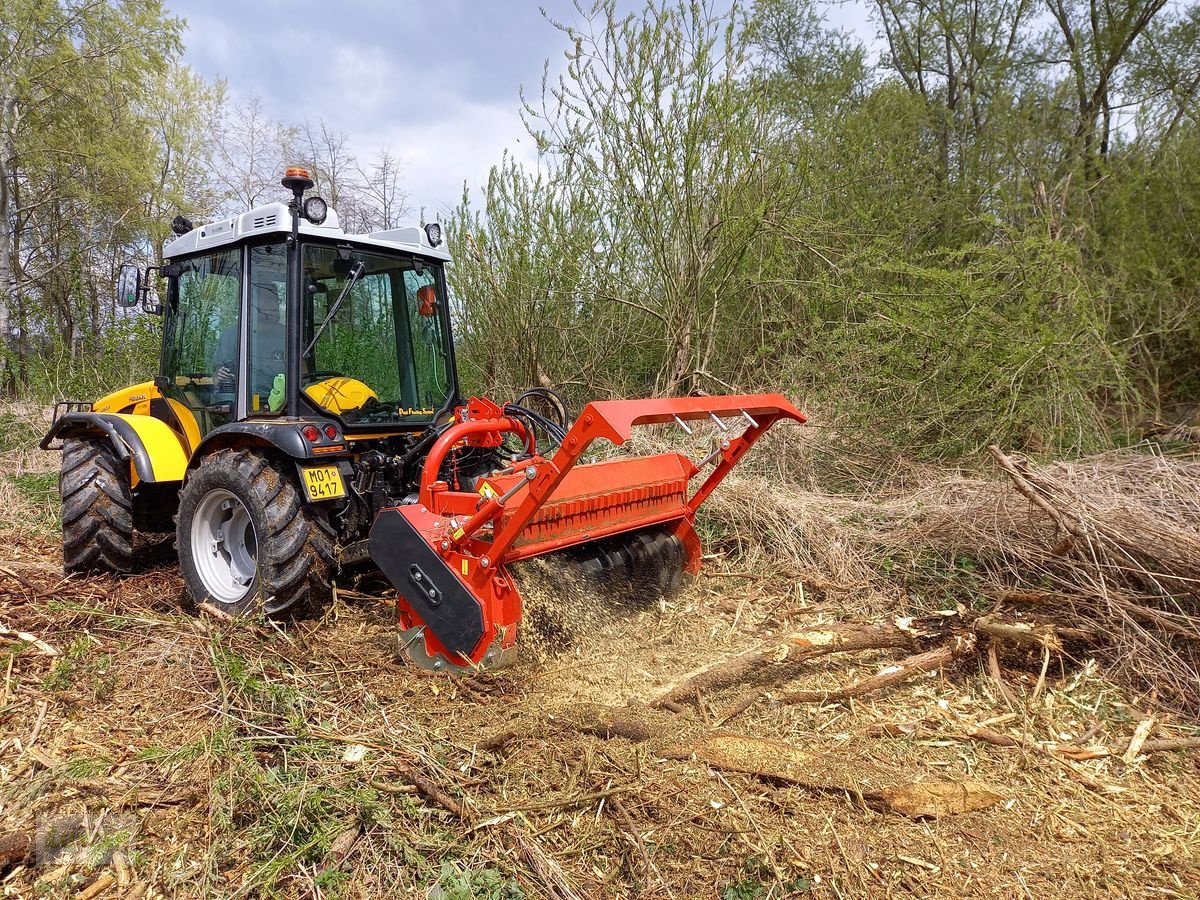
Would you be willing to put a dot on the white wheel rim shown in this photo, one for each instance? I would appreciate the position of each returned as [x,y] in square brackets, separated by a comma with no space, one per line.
[224,546]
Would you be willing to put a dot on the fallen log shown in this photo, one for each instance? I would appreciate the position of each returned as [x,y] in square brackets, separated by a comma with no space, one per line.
[936,799]
[1168,745]
[818,772]
[895,673]
[634,722]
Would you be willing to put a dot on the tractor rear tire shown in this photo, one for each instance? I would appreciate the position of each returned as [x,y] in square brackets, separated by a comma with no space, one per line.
[247,542]
[97,508]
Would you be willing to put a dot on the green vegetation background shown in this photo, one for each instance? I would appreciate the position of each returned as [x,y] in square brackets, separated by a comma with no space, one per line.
[987,234]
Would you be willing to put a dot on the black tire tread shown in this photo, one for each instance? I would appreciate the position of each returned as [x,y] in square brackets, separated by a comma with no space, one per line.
[97,508]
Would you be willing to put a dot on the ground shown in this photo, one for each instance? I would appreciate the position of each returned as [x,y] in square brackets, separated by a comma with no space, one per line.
[151,752]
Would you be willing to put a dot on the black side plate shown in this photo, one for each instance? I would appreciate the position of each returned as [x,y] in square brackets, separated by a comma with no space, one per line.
[426,582]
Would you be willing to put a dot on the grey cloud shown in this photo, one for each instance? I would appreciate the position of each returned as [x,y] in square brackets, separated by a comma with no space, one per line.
[437,83]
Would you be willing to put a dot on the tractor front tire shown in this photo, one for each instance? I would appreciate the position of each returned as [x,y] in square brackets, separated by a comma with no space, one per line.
[97,508]
[247,543]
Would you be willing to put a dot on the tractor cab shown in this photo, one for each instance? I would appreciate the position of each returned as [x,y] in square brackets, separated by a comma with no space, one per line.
[262,324]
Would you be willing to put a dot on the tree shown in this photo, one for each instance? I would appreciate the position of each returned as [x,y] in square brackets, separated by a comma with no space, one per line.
[652,121]
[181,107]
[366,198]
[326,153]
[526,288]
[1097,43]
[382,201]
[76,157]
[251,149]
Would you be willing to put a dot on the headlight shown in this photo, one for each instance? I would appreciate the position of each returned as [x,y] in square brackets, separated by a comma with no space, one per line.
[433,231]
[315,210]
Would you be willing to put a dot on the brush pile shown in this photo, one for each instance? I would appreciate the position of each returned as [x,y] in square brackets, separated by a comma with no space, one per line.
[1110,543]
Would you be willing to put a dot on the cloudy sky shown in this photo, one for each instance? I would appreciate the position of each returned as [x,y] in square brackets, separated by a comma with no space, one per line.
[436,82]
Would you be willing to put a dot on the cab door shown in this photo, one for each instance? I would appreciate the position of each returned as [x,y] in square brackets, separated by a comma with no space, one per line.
[203,337]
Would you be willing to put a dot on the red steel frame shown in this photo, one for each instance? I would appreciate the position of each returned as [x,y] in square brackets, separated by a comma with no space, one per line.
[563,505]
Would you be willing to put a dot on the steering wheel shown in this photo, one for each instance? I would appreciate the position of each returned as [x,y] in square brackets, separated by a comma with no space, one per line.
[372,411]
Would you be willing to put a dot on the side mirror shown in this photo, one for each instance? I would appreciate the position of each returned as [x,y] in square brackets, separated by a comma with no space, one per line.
[427,298]
[129,286]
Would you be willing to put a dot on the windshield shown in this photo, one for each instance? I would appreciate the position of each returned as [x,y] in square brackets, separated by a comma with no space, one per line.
[375,347]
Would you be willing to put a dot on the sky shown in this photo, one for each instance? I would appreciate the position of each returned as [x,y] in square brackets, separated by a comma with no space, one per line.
[437,83]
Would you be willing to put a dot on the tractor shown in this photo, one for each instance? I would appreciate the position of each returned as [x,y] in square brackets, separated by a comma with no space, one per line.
[306,418]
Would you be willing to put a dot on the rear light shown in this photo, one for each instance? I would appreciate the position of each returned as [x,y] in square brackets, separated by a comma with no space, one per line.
[331,432]
[311,433]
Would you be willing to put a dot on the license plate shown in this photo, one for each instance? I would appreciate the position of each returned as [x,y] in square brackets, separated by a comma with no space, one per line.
[323,483]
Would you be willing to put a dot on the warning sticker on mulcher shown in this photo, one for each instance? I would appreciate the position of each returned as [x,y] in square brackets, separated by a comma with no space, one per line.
[323,483]
[486,491]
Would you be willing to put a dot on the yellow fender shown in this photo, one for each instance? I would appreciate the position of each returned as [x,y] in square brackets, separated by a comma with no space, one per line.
[166,456]
[133,399]
[138,400]
[154,451]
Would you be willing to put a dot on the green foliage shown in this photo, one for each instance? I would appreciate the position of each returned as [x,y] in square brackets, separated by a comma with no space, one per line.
[125,352]
[246,686]
[475,884]
[278,818]
[759,882]
[985,237]
[944,354]
[77,160]
[37,487]
[78,670]
[628,249]
[273,811]
[523,293]
[17,432]
[88,766]
[967,248]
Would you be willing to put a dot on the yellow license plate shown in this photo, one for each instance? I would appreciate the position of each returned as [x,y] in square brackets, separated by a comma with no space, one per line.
[323,483]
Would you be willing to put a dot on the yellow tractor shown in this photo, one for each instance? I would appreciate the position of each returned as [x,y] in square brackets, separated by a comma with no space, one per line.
[306,416]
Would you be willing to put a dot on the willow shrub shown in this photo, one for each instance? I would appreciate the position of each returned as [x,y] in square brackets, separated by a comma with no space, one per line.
[941,355]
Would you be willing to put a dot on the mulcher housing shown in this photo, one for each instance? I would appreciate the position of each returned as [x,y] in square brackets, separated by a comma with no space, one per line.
[306,417]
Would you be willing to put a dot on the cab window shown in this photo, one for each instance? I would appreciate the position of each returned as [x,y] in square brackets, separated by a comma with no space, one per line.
[201,344]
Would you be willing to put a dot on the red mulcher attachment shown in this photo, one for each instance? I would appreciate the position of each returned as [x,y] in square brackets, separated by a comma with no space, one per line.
[448,554]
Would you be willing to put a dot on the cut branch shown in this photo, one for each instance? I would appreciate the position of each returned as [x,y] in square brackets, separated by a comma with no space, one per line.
[890,675]
[1023,633]
[779,660]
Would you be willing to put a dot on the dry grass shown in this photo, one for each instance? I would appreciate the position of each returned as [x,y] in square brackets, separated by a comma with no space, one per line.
[237,760]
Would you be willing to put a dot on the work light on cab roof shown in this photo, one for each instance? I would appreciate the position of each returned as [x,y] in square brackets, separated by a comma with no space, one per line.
[307,419]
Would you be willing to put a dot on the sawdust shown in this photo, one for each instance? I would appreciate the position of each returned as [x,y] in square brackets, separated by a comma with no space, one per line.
[591,625]
[564,611]
[185,688]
